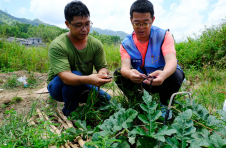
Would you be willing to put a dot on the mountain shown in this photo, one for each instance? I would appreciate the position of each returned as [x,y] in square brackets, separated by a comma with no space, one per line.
[9,19]
[121,34]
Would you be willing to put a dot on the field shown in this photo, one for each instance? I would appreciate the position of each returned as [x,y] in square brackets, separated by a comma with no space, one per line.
[35,120]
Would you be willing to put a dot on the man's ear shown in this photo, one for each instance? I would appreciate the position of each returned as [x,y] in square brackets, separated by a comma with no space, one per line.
[131,20]
[153,19]
[67,24]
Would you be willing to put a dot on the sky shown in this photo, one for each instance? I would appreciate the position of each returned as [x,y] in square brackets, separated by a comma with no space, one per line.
[183,17]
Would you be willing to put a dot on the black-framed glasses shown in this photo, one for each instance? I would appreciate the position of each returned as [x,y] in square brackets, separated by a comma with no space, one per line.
[80,27]
[145,25]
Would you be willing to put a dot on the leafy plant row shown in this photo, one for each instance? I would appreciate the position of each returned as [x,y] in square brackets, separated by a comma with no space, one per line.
[192,127]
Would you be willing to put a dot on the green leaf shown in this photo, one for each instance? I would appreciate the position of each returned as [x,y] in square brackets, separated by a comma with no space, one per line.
[157,114]
[199,143]
[81,124]
[124,143]
[173,142]
[144,107]
[146,142]
[138,130]
[129,116]
[204,132]
[189,123]
[217,140]
[132,139]
[143,118]
[147,98]
[213,121]
[164,131]
[187,114]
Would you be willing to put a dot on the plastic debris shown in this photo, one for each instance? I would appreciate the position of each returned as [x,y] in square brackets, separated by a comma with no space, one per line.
[23,80]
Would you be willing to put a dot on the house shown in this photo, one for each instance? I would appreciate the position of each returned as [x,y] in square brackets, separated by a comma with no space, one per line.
[34,41]
[26,42]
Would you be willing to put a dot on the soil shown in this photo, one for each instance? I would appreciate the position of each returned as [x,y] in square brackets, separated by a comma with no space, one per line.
[26,94]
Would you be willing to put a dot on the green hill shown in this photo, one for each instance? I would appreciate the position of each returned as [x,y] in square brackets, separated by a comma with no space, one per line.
[121,34]
[9,19]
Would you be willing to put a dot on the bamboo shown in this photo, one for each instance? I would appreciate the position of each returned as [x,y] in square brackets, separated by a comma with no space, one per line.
[73,146]
[69,123]
[67,146]
[52,126]
[62,122]
[80,141]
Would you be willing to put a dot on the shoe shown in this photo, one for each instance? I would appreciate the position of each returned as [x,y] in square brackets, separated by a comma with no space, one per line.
[164,111]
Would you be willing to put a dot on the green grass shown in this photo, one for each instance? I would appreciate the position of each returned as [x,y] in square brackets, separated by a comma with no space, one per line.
[206,49]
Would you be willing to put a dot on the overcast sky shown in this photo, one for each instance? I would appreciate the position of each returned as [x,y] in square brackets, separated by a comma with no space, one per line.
[182,17]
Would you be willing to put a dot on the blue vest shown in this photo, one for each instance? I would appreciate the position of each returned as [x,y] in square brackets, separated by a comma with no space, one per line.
[154,59]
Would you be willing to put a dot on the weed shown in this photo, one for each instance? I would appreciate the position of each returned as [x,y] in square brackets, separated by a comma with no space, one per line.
[32,81]
[11,82]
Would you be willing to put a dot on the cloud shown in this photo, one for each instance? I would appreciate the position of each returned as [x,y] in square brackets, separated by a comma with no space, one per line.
[113,15]
[7,0]
[218,13]
[184,18]
[22,10]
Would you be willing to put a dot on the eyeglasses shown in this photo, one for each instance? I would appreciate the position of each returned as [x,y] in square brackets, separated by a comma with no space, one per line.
[145,25]
[80,27]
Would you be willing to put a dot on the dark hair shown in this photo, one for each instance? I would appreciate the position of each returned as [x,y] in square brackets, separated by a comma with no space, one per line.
[75,8]
[142,6]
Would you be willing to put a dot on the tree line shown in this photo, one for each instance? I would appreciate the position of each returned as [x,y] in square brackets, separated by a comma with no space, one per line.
[46,32]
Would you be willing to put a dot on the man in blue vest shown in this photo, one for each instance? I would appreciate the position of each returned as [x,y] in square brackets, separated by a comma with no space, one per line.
[150,51]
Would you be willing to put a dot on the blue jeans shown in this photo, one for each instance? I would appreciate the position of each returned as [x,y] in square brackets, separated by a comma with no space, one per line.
[70,94]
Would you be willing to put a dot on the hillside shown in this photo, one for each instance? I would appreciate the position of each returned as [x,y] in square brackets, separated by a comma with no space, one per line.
[9,19]
[121,34]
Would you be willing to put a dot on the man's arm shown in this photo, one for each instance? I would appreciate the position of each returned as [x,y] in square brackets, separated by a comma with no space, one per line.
[169,69]
[94,79]
[129,73]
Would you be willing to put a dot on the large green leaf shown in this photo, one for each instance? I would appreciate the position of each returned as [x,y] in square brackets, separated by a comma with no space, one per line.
[118,120]
[222,113]
[124,143]
[143,118]
[164,131]
[186,115]
[129,116]
[213,121]
[81,124]
[173,142]
[147,98]
[139,131]
[217,140]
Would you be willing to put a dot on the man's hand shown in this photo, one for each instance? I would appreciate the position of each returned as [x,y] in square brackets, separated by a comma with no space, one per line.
[135,76]
[160,77]
[98,79]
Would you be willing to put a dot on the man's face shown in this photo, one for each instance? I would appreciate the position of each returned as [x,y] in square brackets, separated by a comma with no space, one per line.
[141,31]
[79,27]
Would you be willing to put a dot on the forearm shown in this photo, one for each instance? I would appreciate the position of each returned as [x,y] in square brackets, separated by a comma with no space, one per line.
[125,71]
[72,79]
[170,67]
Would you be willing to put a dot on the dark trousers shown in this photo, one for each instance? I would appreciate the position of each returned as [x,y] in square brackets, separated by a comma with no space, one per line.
[70,95]
[171,85]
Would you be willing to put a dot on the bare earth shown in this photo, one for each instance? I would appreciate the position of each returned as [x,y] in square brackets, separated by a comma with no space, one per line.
[27,94]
